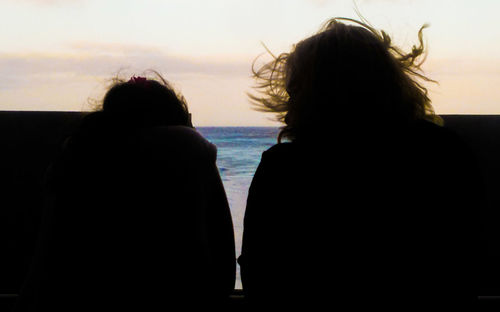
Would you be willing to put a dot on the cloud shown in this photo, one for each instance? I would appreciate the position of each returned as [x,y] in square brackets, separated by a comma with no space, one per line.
[105,60]
[215,90]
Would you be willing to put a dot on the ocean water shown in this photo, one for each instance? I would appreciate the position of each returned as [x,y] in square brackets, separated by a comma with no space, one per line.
[239,150]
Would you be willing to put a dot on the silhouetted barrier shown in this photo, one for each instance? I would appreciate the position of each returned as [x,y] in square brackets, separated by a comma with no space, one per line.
[482,134]
[29,141]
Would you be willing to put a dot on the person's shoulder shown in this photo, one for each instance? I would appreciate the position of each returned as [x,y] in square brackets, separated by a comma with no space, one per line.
[440,139]
[431,131]
[431,128]
[283,155]
[280,149]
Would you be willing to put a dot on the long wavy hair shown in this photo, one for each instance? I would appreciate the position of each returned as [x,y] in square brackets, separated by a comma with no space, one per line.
[345,73]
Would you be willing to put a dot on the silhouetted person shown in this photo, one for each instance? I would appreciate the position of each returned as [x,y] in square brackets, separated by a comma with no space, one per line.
[371,203]
[136,215]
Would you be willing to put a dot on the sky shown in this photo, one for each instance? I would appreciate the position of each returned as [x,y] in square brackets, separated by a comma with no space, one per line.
[61,54]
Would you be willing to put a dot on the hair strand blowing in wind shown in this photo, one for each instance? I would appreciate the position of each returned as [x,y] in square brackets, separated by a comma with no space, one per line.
[347,67]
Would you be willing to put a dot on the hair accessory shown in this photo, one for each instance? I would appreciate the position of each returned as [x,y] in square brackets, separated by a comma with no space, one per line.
[138,80]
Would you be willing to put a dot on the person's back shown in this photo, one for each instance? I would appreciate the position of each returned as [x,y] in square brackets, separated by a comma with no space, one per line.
[370,204]
[136,218]
[329,223]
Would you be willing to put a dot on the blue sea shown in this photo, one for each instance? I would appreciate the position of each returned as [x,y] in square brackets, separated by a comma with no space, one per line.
[239,150]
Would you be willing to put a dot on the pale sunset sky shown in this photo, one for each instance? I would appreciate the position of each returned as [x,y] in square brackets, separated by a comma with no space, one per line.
[58,54]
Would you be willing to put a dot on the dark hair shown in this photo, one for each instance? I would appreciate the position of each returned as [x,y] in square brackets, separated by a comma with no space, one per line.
[344,72]
[145,102]
[130,105]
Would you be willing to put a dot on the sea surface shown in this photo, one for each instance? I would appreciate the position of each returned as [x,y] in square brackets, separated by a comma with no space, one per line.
[239,150]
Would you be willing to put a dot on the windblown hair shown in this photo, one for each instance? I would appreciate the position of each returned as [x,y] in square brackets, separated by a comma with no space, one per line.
[130,105]
[344,72]
[146,102]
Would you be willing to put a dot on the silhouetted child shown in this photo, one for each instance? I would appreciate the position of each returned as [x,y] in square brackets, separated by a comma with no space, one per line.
[372,203]
[136,217]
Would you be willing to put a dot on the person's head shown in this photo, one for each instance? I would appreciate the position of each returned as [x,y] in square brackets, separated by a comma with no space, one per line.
[145,102]
[344,74]
[128,107]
